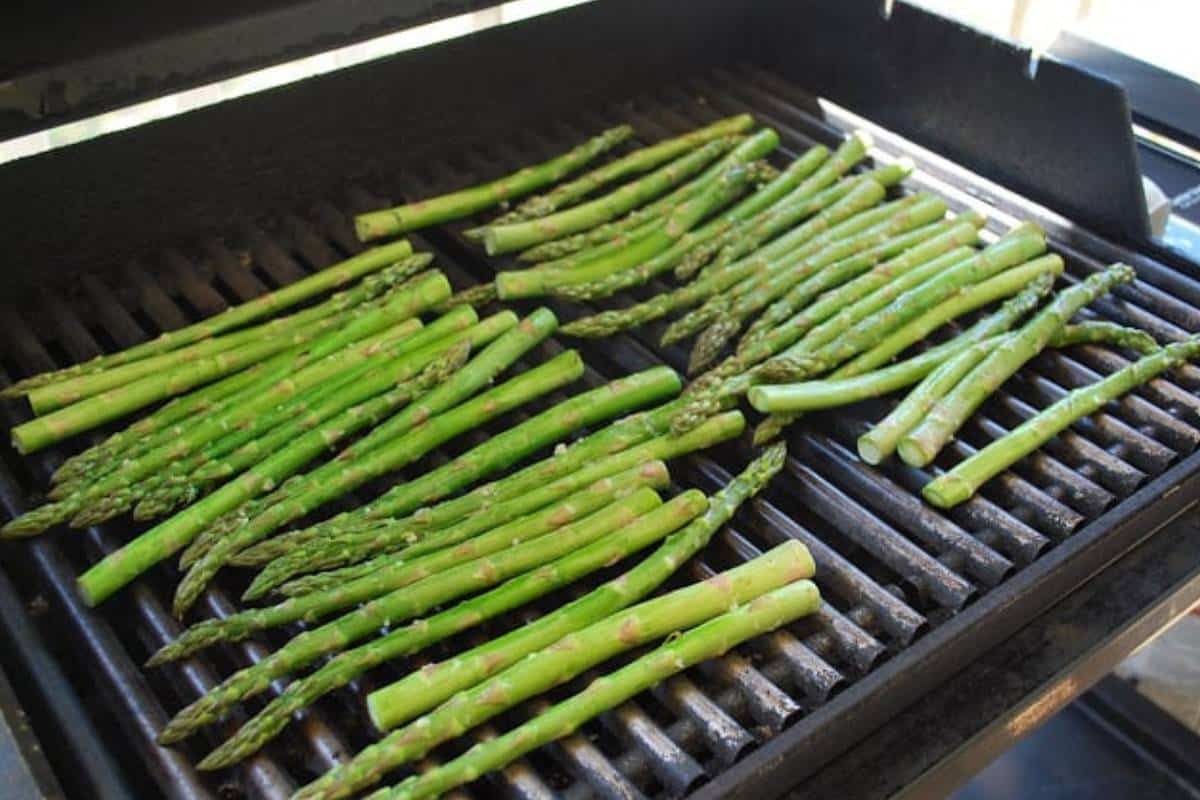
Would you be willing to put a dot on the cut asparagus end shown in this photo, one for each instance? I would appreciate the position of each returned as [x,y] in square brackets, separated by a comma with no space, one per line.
[869,451]
[948,491]
[913,453]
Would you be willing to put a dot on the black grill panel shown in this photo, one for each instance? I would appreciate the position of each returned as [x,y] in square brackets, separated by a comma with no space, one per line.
[892,569]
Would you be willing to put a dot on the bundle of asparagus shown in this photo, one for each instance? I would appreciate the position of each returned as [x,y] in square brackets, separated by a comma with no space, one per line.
[781,572]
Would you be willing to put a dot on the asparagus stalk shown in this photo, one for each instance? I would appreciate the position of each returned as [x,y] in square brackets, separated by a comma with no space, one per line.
[237,626]
[640,160]
[540,280]
[1026,284]
[124,565]
[1096,332]
[245,446]
[403,439]
[100,408]
[822,186]
[517,591]
[782,258]
[344,396]
[144,434]
[339,549]
[430,686]
[499,451]
[567,657]
[404,569]
[190,438]
[1037,276]
[881,441]
[44,399]
[754,147]
[605,323]
[331,277]
[500,239]
[853,382]
[765,613]
[944,419]
[958,484]
[697,247]
[617,436]
[910,258]
[1008,251]
[423,213]
[405,604]
[118,568]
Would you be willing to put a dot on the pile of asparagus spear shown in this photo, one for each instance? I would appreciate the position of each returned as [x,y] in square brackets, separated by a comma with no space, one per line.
[809,281]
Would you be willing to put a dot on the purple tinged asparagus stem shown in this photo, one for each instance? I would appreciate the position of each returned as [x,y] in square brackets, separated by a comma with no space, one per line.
[569,656]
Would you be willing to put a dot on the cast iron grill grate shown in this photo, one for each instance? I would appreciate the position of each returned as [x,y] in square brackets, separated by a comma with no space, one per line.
[910,593]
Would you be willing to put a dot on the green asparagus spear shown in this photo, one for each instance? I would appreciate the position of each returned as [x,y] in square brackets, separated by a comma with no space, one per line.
[957,485]
[190,438]
[331,277]
[405,604]
[614,438]
[746,153]
[543,429]
[640,160]
[540,280]
[423,213]
[56,395]
[428,687]
[404,569]
[98,409]
[567,657]
[1006,252]
[517,236]
[123,444]
[333,550]
[925,251]
[853,382]
[517,591]
[346,396]
[880,442]
[605,323]
[118,568]
[1028,282]
[403,439]
[134,558]
[1098,332]
[944,419]
[763,614]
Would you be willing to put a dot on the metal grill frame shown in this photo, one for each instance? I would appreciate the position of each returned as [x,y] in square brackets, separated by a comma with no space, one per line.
[809,741]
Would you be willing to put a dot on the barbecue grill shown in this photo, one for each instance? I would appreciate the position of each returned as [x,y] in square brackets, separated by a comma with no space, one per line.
[113,240]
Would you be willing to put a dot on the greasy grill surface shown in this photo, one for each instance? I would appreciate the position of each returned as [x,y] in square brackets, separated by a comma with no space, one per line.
[900,580]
